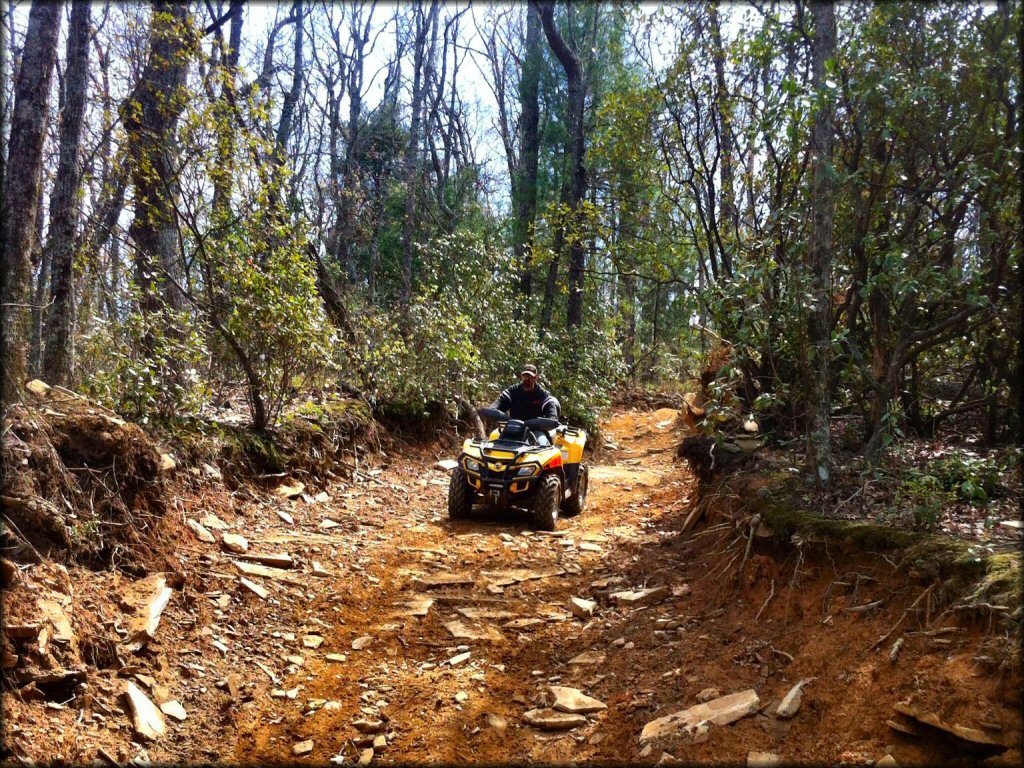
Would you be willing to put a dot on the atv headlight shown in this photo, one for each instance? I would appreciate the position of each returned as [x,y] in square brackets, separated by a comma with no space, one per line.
[472,465]
[528,471]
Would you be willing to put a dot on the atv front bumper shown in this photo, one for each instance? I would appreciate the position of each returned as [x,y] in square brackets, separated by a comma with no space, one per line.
[501,489]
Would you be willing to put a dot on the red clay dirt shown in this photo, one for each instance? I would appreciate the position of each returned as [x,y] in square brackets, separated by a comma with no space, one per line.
[256,683]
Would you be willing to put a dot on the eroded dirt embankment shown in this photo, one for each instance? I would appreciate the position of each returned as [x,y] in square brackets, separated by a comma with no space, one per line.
[357,641]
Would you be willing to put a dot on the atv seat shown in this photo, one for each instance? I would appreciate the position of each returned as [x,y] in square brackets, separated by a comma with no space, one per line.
[516,432]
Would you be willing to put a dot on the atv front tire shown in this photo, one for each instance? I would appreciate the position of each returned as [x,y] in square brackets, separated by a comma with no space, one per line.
[460,498]
[546,503]
[576,503]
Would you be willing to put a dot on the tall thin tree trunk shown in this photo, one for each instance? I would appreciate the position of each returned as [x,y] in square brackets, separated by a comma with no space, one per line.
[529,143]
[412,157]
[21,189]
[727,193]
[819,332]
[150,117]
[59,354]
[570,62]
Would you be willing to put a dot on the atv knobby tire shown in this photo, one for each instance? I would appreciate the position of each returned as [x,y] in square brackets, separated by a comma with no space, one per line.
[576,503]
[546,503]
[460,497]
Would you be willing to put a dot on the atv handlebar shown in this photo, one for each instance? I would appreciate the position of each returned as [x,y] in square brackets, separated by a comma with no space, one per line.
[541,424]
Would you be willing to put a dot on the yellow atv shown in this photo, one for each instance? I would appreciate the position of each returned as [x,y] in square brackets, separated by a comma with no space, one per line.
[536,465]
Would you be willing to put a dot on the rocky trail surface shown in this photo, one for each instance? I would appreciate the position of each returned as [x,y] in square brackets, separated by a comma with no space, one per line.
[358,624]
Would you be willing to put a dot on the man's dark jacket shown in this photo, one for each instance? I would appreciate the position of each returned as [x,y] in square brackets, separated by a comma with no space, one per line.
[520,404]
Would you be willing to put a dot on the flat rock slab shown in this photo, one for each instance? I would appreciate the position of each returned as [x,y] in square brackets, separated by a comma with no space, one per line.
[214,522]
[146,718]
[763,760]
[522,623]
[463,631]
[588,657]
[495,614]
[285,516]
[319,570]
[255,569]
[790,704]
[636,597]
[443,580]
[419,606]
[286,491]
[979,740]
[255,588]
[174,709]
[553,720]
[274,559]
[149,596]
[201,533]
[234,542]
[581,608]
[516,575]
[720,711]
[574,700]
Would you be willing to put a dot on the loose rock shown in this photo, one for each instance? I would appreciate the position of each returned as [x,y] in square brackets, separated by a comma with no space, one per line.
[146,718]
[581,608]
[368,726]
[174,709]
[639,597]
[303,747]
[201,533]
[574,700]
[763,760]
[234,542]
[721,711]
[361,642]
[553,720]
[790,705]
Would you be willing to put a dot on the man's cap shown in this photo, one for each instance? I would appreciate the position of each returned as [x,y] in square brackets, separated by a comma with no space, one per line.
[529,369]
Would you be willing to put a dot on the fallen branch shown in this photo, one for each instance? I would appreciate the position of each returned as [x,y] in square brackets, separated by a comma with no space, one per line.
[765,603]
[910,607]
[865,607]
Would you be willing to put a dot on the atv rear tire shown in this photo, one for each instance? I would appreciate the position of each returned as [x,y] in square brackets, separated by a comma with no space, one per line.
[460,497]
[546,503]
[576,503]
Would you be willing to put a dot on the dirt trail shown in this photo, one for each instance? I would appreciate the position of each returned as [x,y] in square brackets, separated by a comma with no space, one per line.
[278,679]
[439,712]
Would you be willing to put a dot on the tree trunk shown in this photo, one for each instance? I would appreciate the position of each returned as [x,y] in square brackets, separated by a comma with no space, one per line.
[529,146]
[59,355]
[21,189]
[570,62]
[150,117]
[412,164]
[819,332]
[727,193]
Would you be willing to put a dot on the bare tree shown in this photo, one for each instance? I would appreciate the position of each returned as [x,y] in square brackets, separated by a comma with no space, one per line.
[150,117]
[59,356]
[575,190]
[819,402]
[423,23]
[21,188]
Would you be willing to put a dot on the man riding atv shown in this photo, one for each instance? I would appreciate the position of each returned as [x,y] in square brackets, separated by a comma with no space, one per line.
[528,400]
[530,461]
